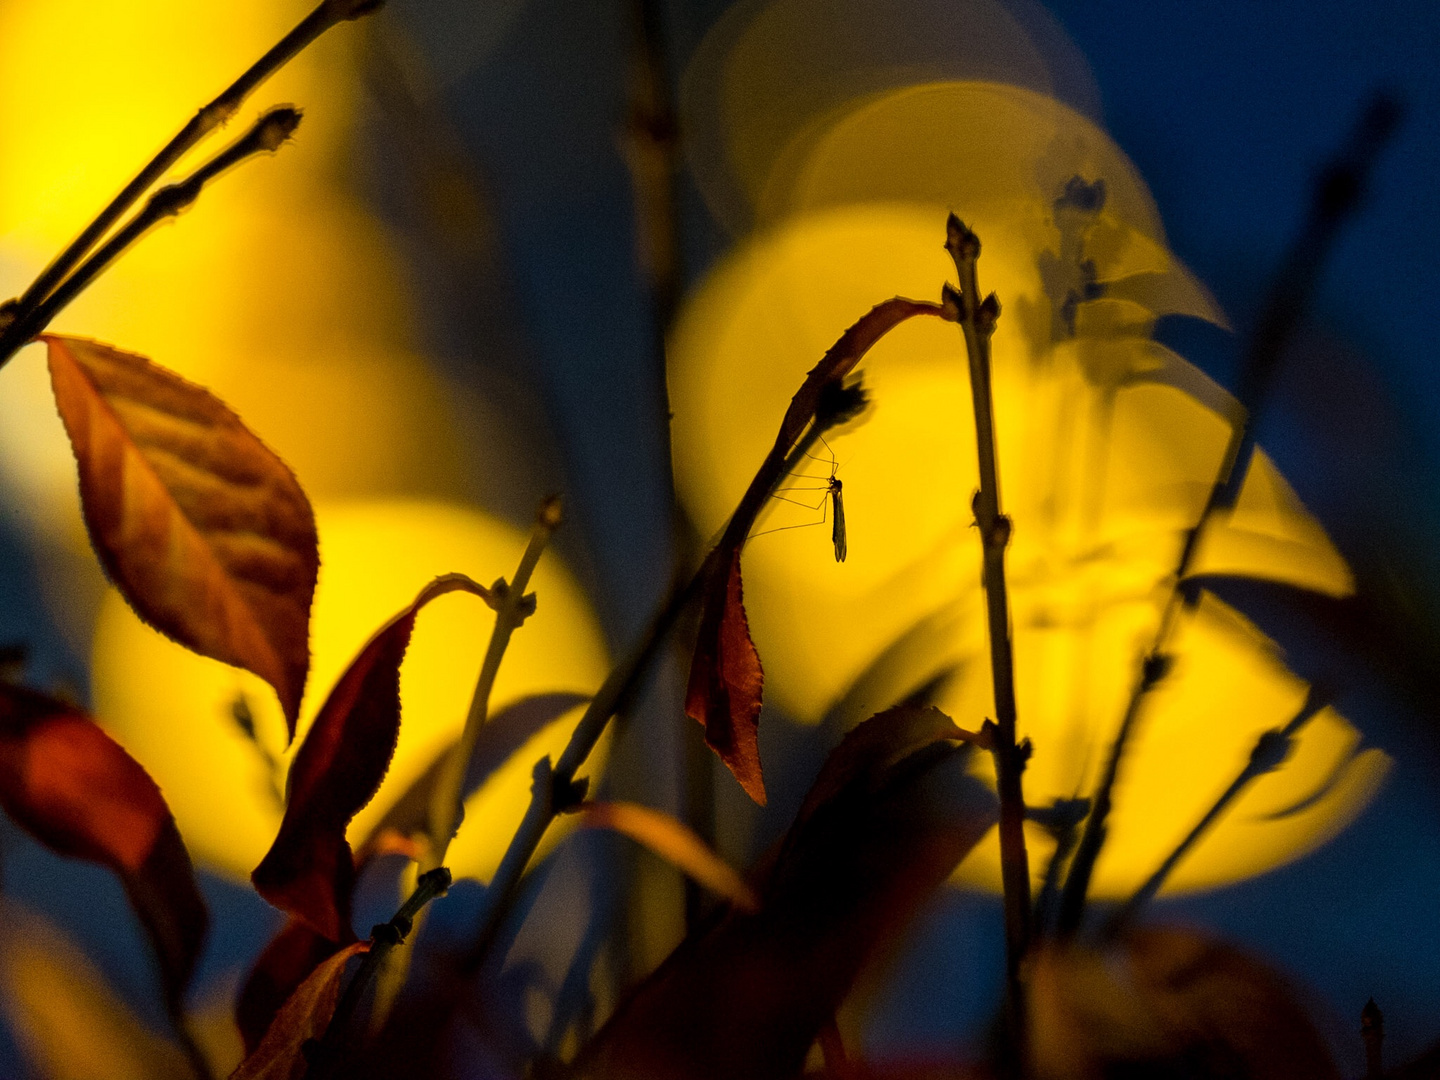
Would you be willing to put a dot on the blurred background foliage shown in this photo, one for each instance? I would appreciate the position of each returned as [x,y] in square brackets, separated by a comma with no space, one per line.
[442,303]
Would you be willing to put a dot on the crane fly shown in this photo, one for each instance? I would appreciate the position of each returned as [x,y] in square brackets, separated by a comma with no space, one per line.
[833,489]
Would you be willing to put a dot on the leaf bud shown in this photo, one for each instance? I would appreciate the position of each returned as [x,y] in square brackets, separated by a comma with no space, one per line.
[960,241]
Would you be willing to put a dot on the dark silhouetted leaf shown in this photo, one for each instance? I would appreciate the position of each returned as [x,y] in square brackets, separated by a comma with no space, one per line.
[1164,1002]
[280,1055]
[309,871]
[75,790]
[890,816]
[724,692]
[675,842]
[286,962]
[844,355]
[503,734]
[197,522]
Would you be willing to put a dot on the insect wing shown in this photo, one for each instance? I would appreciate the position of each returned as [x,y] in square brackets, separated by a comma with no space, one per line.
[837,533]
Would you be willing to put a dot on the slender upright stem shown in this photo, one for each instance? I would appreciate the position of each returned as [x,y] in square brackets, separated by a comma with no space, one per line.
[977,321]
[652,153]
[514,607]
[1337,195]
[212,116]
[1372,1030]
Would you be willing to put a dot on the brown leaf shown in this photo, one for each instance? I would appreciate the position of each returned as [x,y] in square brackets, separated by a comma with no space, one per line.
[1167,1002]
[892,813]
[724,692]
[280,1055]
[503,734]
[285,963]
[675,842]
[309,871]
[75,790]
[202,528]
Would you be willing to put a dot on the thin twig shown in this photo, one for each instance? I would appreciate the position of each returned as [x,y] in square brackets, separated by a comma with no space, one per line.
[1337,195]
[977,321]
[1270,752]
[554,789]
[324,1055]
[208,119]
[269,133]
[514,607]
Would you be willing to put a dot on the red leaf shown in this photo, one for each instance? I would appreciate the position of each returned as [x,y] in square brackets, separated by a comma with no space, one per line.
[1162,1002]
[75,790]
[309,871]
[280,1055]
[891,815]
[285,963]
[724,692]
[197,522]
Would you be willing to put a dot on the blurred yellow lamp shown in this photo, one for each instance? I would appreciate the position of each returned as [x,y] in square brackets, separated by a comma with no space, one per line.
[1107,441]
[174,712]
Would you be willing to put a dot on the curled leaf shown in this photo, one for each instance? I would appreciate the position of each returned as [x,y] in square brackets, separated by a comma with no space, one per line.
[726,680]
[309,871]
[724,690]
[304,1016]
[202,528]
[79,793]
[891,815]
[842,357]
[1167,1002]
[285,963]
[675,842]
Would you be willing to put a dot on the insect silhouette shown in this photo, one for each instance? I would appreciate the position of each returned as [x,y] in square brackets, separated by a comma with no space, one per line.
[833,493]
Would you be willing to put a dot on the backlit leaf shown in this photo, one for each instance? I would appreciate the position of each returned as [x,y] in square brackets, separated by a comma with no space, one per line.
[726,680]
[1167,1002]
[842,357]
[891,815]
[309,871]
[285,963]
[75,790]
[202,528]
[280,1055]
[725,685]
[675,842]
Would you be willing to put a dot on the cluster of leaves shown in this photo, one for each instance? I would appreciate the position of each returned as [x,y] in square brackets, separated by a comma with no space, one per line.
[211,539]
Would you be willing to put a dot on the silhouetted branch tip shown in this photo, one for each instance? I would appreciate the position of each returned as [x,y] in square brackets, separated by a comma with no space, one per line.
[960,241]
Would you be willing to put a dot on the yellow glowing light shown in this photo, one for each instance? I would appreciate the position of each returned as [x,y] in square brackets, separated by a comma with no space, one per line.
[1107,445]
[277,290]
[172,709]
